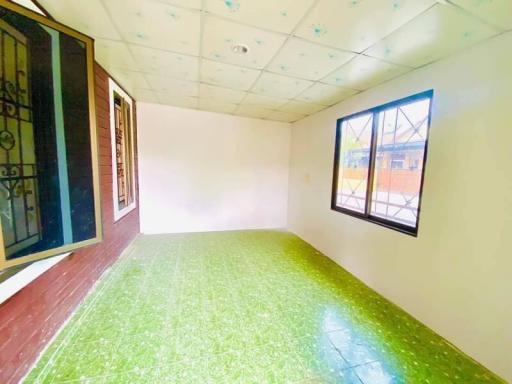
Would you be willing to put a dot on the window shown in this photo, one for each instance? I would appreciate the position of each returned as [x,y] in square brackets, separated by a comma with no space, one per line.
[379,162]
[123,150]
[49,189]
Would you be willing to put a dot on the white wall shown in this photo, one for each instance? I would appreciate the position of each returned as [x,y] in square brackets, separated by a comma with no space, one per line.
[203,171]
[457,275]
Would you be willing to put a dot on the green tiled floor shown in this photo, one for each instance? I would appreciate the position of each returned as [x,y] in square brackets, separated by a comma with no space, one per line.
[243,307]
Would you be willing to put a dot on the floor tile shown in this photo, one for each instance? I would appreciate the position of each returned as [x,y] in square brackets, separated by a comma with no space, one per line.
[243,307]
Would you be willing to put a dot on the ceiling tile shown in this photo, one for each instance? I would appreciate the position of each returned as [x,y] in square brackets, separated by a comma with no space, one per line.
[177,100]
[218,93]
[114,54]
[496,12]
[130,80]
[160,63]
[195,4]
[220,36]
[439,32]
[281,16]
[229,76]
[146,95]
[325,94]
[253,111]
[264,101]
[92,19]
[30,5]
[172,86]
[217,106]
[287,117]
[282,87]
[157,25]
[306,60]
[166,63]
[357,24]
[364,72]
[301,107]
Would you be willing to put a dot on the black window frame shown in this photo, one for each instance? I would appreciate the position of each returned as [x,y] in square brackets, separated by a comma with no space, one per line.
[367,216]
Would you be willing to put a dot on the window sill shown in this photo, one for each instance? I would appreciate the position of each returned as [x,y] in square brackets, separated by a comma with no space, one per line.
[383,223]
[25,276]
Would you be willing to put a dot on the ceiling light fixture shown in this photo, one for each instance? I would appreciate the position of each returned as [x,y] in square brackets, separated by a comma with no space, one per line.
[240,49]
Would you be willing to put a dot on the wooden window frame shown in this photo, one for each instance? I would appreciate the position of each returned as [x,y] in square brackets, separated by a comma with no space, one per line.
[367,216]
[115,89]
[89,48]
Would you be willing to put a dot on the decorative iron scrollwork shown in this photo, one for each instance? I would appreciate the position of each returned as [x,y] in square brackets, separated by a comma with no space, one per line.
[10,170]
[13,96]
[7,140]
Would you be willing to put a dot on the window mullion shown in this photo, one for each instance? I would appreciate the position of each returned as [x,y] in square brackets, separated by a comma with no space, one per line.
[371,165]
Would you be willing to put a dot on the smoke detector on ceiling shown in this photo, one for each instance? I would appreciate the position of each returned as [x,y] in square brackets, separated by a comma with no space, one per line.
[241,49]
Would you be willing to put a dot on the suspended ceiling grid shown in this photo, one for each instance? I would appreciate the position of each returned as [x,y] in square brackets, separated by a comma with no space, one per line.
[303,55]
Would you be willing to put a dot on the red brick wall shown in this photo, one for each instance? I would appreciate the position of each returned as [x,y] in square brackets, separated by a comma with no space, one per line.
[31,317]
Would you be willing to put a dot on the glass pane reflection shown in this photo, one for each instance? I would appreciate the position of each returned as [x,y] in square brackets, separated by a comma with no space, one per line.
[46,178]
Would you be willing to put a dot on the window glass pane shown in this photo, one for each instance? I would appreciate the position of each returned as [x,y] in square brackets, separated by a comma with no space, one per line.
[354,159]
[401,138]
[46,165]
[123,136]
